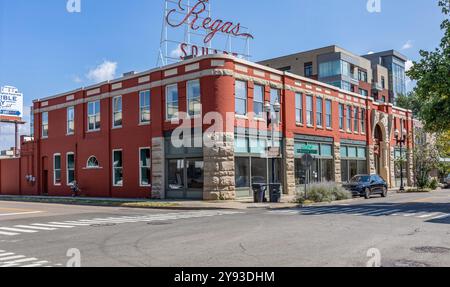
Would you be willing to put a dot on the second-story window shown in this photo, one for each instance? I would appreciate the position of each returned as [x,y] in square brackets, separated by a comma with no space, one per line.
[258,101]
[356,119]
[341,116]
[45,124]
[308,69]
[70,120]
[144,107]
[319,112]
[194,106]
[383,83]
[117,112]
[171,102]
[328,117]
[241,98]
[94,116]
[363,121]
[274,98]
[299,108]
[349,118]
[309,110]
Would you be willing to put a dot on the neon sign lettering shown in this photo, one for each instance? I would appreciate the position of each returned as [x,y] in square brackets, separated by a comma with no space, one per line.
[209,24]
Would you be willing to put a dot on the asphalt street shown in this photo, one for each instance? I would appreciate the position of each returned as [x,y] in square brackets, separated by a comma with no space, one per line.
[401,230]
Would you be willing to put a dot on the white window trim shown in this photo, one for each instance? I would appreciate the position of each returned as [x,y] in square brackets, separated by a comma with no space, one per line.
[113,168]
[67,167]
[140,167]
[54,170]
[187,99]
[67,121]
[246,99]
[255,116]
[88,116]
[167,106]
[113,112]
[299,109]
[140,108]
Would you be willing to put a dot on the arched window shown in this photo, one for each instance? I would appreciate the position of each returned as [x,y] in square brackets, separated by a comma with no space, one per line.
[92,162]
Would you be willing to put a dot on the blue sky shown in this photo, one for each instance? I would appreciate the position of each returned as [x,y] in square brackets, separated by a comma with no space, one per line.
[44,50]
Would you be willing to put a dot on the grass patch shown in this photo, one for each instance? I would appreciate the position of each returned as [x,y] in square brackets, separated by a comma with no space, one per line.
[418,190]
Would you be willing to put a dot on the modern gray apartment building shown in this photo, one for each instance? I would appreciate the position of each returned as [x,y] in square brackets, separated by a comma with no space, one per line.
[379,75]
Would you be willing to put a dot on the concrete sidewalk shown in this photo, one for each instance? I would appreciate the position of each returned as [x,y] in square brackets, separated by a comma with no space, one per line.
[244,203]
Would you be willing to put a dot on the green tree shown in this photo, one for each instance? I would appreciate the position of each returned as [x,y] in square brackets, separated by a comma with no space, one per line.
[432,73]
[409,102]
[426,159]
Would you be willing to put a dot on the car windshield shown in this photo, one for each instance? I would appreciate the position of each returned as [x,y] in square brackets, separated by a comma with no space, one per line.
[360,178]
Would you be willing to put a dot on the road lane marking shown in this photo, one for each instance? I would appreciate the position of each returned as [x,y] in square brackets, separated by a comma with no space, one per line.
[35,227]
[37,264]
[24,260]
[20,213]
[17,230]
[6,254]
[8,233]
[11,257]
[52,225]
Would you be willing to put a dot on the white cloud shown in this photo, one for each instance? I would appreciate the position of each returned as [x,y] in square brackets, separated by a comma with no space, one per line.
[176,53]
[408,65]
[407,45]
[103,72]
[77,79]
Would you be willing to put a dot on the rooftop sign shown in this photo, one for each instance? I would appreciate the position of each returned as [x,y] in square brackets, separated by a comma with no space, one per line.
[11,104]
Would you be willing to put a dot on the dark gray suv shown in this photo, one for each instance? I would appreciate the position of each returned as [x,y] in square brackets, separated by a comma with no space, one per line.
[367,185]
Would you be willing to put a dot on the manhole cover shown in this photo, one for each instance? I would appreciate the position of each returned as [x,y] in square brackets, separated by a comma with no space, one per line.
[409,263]
[431,249]
[103,225]
[159,223]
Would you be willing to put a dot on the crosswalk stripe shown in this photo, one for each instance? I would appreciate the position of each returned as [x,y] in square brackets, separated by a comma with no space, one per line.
[21,260]
[428,215]
[8,233]
[441,216]
[52,225]
[37,264]
[67,224]
[35,227]
[18,230]
[11,257]
[409,214]
[6,254]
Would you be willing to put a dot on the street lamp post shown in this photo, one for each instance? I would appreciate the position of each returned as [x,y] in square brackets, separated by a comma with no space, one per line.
[401,140]
[272,122]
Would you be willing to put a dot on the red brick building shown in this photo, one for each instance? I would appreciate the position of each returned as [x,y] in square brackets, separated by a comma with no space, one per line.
[113,138]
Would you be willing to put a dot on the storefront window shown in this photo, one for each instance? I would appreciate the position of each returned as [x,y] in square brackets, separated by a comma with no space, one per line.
[259,170]
[353,162]
[175,174]
[322,167]
[195,174]
[242,172]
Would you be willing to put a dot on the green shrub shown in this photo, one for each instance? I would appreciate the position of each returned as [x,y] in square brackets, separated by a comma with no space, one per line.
[434,184]
[324,192]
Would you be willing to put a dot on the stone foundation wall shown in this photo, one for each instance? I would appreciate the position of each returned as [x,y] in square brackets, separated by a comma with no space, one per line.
[337,162]
[219,173]
[392,167]
[289,166]
[410,174]
[158,168]
[371,152]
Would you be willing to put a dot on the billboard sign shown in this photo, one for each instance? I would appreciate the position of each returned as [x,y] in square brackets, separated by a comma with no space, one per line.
[11,104]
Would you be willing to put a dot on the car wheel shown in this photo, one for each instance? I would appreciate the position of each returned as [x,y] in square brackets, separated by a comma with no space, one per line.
[384,193]
[367,193]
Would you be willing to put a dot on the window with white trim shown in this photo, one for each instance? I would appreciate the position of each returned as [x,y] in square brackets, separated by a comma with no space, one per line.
[341,116]
[258,101]
[329,113]
[194,106]
[92,162]
[356,119]
[117,168]
[45,124]
[94,116]
[309,111]
[144,107]
[363,121]
[70,167]
[349,118]
[241,98]
[299,108]
[117,112]
[145,167]
[171,102]
[319,112]
[57,169]
[70,120]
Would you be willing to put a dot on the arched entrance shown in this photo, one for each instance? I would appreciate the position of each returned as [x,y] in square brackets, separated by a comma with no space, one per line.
[378,140]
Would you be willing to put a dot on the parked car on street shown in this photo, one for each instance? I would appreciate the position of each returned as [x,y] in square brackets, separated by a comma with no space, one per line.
[367,185]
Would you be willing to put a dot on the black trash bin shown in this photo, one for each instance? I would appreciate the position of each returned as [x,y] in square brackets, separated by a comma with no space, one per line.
[259,191]
[275,192]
